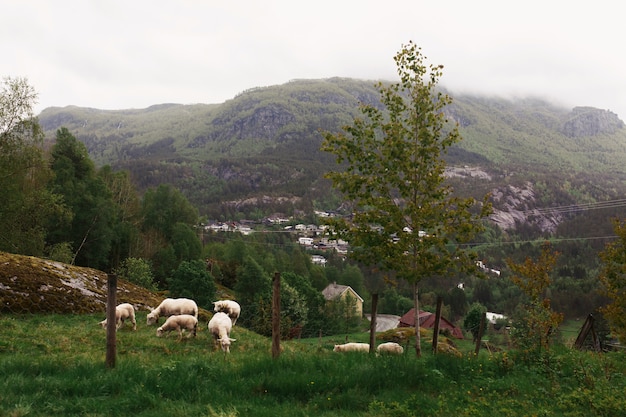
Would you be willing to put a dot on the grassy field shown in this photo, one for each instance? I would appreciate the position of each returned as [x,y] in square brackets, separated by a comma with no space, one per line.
[54,365]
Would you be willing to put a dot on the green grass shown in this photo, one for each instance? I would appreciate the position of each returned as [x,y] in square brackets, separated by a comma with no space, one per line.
[54,365]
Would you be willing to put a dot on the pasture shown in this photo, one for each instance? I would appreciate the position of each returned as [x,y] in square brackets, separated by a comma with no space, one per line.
[54,365]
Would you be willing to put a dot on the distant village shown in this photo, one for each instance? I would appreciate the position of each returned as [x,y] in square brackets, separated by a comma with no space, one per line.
[310,236]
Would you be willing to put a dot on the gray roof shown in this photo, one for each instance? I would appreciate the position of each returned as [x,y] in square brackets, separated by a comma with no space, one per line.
[335,290]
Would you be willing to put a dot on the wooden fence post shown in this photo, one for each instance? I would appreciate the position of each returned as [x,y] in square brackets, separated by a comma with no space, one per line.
[111,323]
[276,316]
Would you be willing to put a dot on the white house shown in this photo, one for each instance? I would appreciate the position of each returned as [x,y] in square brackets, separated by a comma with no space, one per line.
[318,260]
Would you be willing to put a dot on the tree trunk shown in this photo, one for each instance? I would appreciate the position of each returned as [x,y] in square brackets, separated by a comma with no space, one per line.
[373,323]
[436,328]
[276,316]
[418,339]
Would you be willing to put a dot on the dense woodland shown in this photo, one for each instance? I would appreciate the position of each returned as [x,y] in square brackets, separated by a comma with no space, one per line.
[127,191]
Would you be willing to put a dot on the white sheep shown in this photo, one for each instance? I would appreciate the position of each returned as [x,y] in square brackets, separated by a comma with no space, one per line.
[231,308]
[179,323]
[220,326]
[352,347]
[171,307]
[390,348]
[122,312]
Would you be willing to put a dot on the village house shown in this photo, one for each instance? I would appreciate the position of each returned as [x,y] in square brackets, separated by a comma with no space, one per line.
[427,321]
[334,292]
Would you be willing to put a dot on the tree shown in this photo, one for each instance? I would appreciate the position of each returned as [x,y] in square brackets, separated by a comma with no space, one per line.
[137,271]
[86,195]
[473,318]
[535,322]
[403,215]
[613,280]
[27,204]
[192,280]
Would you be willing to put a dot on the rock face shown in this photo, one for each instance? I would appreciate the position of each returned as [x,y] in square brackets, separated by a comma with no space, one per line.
[589,121]
[513,205]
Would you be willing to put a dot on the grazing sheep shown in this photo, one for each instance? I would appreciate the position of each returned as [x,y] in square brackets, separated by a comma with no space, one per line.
[171,307]
[122,312]
[231,308]
[179,323]
[220,326]
[390,348]
[352,347]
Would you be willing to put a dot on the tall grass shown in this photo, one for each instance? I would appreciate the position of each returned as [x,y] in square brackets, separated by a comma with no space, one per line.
[54,365]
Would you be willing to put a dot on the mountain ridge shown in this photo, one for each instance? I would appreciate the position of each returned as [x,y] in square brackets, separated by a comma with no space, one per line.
[263,146]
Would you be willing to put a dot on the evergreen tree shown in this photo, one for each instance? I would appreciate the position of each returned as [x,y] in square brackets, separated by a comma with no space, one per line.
[86,195]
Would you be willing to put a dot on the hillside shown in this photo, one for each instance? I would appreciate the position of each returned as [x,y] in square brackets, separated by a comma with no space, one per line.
[260,150]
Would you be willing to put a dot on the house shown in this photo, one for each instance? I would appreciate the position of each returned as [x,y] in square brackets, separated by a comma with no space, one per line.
[336,291]
[427,321]
[318,260]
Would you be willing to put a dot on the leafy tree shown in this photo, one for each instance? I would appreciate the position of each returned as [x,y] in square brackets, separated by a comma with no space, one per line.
[253,284]
[137,271]
[27,204]
[192,280]
[164,207]
[613,279]
[86,195]
[126,235]
[535,321]
[403,215]
[315,302]
[168,219]
[473,318]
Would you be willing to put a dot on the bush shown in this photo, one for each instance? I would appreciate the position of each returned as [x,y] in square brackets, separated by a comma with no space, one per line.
[138,271]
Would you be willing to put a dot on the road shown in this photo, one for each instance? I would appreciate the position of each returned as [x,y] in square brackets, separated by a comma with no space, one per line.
[385,322]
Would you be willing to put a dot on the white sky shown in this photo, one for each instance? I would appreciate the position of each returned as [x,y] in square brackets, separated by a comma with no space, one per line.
[120,54]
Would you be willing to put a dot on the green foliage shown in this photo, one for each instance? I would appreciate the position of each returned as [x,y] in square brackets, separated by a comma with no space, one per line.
[138,271]
[27,205]
[613,280]
[535,322]
[192,280]
[404,217]
[87,197]
[472,320]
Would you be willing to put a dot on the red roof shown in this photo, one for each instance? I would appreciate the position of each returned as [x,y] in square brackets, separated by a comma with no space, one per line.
[427,321]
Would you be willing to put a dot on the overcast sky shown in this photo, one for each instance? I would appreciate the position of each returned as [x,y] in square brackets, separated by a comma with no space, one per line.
[121,54]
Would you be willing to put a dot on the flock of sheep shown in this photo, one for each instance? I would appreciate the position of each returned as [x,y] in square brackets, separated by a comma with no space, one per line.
[182,315]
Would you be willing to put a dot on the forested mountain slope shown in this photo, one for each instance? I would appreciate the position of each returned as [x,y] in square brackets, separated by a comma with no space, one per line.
[259,152]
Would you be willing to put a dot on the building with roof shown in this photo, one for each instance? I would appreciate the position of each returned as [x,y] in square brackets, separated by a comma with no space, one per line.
[427,321]
[334,292]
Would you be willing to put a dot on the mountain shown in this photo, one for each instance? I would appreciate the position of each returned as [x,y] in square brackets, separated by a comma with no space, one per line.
[259,152]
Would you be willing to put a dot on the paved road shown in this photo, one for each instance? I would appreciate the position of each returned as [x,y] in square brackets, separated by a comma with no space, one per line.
[385,322]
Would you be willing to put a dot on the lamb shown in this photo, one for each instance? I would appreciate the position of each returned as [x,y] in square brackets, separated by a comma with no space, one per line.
[390,348]
[179,323]
[122,312]
[229,307]
[220,326]
[352,347]
[171,307]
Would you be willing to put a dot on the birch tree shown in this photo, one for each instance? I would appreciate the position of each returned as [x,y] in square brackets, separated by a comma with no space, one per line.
[404,217]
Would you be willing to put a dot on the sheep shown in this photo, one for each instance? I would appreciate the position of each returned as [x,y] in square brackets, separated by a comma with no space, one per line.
[229,307]
[122,312]
[171,307]
[352,347]
[179,323]
[220,326]
[390,348]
